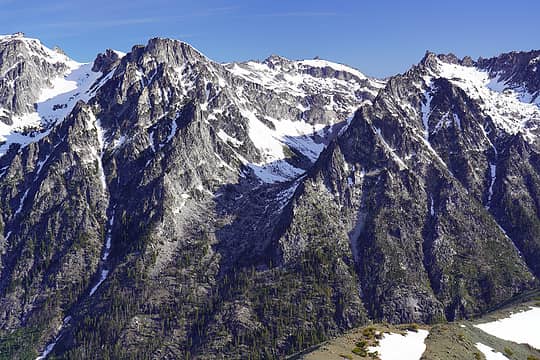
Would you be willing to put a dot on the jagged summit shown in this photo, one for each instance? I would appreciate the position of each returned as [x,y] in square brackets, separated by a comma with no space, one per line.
[169,49]
[276,59]
[106,61]
[449,58]
[16,35]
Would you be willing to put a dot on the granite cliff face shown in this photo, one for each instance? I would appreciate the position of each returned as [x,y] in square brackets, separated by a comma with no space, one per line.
[158,204]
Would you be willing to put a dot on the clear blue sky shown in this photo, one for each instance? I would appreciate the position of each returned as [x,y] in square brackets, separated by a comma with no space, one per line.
[380,38]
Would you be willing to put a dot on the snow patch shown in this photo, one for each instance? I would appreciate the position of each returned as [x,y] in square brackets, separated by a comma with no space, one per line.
[174,128]
[47,350]
[400,347]
[108,238]
[53,343]
[120,54]
[457,121]
[21,203]
[492,169]
[102,278]
[493,177]
[391,150]
[426,112]
[229,139]
[108,235]
[283,197]
[271,143]
[489,353]
[335,66]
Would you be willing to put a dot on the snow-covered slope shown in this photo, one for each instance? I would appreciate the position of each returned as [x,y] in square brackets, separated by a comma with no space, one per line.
[54,104]
[509,108]
[320,95]
[59,90]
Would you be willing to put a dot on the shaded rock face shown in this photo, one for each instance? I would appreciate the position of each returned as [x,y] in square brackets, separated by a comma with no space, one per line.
[193,209]
[429,233]
[106,61]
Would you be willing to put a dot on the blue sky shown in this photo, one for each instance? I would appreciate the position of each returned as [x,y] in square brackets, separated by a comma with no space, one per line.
[380,38]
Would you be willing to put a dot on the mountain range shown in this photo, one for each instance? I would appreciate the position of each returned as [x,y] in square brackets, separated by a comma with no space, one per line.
[161,205]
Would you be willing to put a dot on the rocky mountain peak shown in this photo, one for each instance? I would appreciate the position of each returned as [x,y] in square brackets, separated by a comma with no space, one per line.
[106,61]
[59,50]
[27,68]
[276,61]
[431,59]
[449,58]
[179,52]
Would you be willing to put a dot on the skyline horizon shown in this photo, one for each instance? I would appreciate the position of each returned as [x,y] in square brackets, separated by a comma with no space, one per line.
[261,59]
[379,39]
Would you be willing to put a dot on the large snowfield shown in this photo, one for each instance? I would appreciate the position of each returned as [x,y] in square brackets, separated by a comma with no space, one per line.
[522,327]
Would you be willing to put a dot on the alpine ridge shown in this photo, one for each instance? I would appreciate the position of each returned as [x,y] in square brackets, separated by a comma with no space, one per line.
[159,205]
